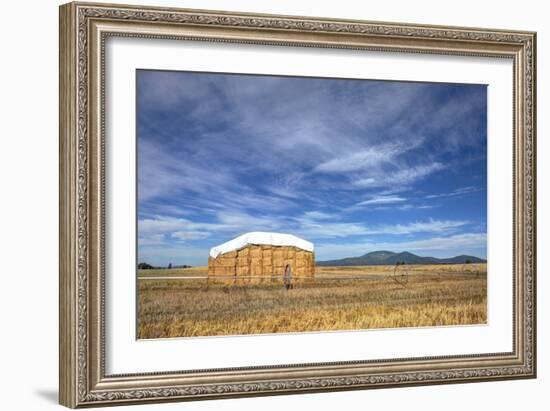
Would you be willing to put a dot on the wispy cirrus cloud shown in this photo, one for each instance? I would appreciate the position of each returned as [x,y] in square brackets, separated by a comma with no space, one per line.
[320,215]
[367,159]
[455,193]
[430,226]
[310,225]
[190,235]
[382,199]
[403,176]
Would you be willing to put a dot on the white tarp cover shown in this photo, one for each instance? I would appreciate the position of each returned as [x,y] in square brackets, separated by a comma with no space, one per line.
[259,238]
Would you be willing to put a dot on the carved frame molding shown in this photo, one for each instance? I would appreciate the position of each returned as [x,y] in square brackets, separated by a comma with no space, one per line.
[84,27]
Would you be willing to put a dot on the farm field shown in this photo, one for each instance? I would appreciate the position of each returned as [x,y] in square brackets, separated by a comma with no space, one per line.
[182,303]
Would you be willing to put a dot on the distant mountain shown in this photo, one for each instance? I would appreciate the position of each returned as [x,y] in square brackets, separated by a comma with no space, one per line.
[391,258]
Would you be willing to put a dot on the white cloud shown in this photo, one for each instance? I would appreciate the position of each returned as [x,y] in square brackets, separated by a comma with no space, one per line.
[190,235]
[456,242]
[149,227]
[368,158]
[455,193]
[405,175]
[319,215]
[152,239]
[162,174]
[382,199]
[430,226]
[247,222]
[312,226]
[313,229]
[156,230]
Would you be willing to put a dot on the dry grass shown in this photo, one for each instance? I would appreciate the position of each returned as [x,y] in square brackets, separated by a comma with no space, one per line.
[411,269]
[174,272]
[434,295]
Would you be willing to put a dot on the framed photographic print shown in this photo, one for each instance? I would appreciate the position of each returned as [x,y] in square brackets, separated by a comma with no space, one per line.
[259,204]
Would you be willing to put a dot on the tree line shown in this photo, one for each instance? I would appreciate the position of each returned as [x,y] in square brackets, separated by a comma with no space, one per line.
[146,266]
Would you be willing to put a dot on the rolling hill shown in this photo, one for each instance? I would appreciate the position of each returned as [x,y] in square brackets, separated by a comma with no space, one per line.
[391,258]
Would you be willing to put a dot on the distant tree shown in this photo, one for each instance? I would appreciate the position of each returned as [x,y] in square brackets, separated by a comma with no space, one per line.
[144,266]
[468,262]
[169,265]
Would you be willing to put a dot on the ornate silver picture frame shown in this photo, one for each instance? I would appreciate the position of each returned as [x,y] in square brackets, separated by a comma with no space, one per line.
[84,30]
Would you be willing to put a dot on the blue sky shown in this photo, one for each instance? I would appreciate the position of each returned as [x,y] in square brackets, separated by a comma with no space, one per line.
[350,165]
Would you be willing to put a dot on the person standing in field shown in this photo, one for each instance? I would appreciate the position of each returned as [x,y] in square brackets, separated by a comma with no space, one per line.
[287,277]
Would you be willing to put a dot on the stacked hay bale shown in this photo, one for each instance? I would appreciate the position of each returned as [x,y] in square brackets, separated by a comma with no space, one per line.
[262,263]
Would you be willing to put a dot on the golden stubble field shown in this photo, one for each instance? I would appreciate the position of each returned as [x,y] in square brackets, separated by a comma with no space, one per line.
[340,298]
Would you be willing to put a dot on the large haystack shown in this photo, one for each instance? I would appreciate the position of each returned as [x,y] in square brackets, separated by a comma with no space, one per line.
[258,257]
